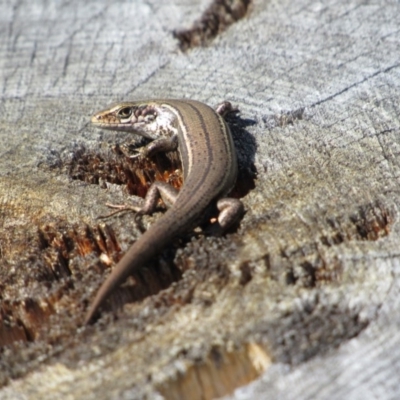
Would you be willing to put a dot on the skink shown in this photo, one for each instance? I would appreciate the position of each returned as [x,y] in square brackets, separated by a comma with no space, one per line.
[209,164]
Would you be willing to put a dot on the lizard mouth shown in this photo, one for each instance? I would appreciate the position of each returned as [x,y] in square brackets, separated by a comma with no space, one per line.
[116,124]
[102,121]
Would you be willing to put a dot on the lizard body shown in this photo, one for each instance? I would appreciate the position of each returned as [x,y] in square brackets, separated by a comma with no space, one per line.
[209,164]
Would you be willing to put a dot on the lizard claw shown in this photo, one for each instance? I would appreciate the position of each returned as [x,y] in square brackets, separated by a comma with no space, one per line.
[133,153]
[119,208]
[137,155]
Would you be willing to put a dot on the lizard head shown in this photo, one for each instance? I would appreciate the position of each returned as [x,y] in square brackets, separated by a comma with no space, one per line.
[135,117]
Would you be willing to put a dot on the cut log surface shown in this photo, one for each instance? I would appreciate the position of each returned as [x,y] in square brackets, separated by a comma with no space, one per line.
[301,301]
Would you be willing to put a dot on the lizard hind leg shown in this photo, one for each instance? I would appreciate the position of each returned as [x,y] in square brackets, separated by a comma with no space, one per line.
[157,190]
[230,211]
[225,108]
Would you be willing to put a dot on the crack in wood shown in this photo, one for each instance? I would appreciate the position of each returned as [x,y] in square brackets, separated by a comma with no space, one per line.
[216,19]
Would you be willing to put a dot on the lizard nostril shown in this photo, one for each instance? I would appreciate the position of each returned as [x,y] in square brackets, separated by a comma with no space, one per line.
[96,118]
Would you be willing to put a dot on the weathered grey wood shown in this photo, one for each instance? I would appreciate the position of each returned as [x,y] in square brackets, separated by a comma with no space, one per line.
[306,293]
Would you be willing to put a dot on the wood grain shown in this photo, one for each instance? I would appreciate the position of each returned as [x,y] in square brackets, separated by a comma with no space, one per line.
[302,300]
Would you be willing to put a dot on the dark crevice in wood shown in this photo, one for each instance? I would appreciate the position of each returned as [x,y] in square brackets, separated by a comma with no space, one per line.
[61,243]
[246,274]
[22,320]
[53,264]
[371,221]
[116,167]
[307,266]
[308,270]
[216,19]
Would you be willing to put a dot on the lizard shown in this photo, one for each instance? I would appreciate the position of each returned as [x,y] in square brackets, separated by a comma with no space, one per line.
[209,163]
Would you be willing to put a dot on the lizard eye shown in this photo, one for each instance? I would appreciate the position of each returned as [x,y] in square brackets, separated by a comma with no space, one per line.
[125,112]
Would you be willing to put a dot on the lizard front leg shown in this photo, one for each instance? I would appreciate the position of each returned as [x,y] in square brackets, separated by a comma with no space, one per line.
[157,189]
[162,144]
